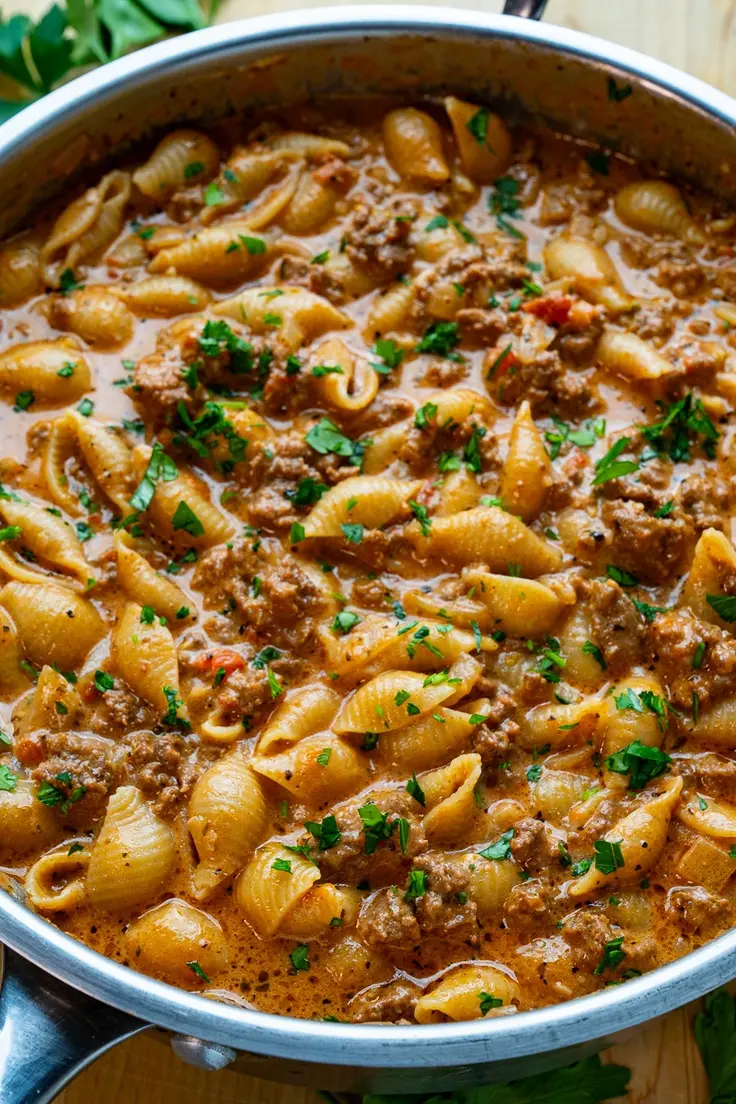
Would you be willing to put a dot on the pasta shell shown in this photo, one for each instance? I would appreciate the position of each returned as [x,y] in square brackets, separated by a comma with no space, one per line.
[374,707]
[144,655]
[628,356]
[227,820]
[460,490]
[311,206]
[307,145]
[55,882]
[413,143]
[35,366]
[459,995]
[714,561]
[50,539]
[450,798]
[318,769]
[591,270]
[483,140]
[432,740]
[246,175]
[368,500]
[709,817]
[384,447]
[25,822]
[95,314]
[41,710]
[173,163]
[107,457]
[490,882]
[717,725]
[166,939]
[656,207]
[86,227]
[354,387]
[560,725]
[297,316]
[133,856]
[641,836]
[20,268]
[220,255]
[266,894]
[12,678]
[527,473]
[60,447]
[165,296]
[622,727]
[168,498]
[304,711]
[314,913]
[519,607]
[491,535]
[555,793]
[55,625]
[143,584]
[388,311]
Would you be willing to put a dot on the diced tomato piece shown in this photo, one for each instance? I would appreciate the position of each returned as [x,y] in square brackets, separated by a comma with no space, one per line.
[225,658]
[552,309]
[29,750]
[500,360]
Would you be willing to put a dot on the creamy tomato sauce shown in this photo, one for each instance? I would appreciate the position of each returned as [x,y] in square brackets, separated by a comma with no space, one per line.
[394,676]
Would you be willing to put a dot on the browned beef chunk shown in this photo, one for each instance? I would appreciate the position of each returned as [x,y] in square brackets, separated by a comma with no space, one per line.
[390,1003]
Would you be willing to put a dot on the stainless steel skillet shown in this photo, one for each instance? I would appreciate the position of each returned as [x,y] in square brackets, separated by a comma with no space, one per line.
[62,1004]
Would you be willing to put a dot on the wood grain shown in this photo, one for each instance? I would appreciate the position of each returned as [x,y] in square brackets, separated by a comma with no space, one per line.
[698,36]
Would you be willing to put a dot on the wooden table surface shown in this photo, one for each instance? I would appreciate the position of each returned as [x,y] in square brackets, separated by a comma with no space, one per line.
[700,37]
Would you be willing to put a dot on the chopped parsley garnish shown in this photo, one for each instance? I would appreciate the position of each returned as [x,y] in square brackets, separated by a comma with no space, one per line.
[488,1002]
[612,956]
[375,826]
[623,578]
[417,886]
[8,779]
[174,703]
[501,849]
[197,969]
[415,790]
[440,338]
[421,514]
[326,832]
[103,681]
[723,604]
[282,864]
[643,763]
[618,93]
[324,756]
[608,856]
[184,518]
[478,125]
[325,437]
[425,414]
[194,168]
[299,957]
[610,467]
[24,400]
[353,532]
[390,356]
[685,423]
[160,466]
[503,202]
[698,654]
[10,532]
[344,621]
[593,650]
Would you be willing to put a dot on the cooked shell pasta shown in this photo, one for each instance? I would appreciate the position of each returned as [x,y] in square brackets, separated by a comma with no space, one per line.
[42,367]
[165,296]
[20,268]
[353,386]
[483,140]
[217,256]
[12,677]
[709,817]
[640,836]
[144,584]
[95,314]
[414,146]
[132,857]
[181,158]
[305,711]
[272,884]
[374,706]
[167,939]
[319,910]
[50,539]
[521,607]
[591,270]
[227,820]
[25,823]
[55,625]
[107,457]
[627,355]
[365,500]
[489,534]
[86,227]
[320,768]
[450,798]
[296,316]
[55,882]
[657,207]
[461,992]
[144,655]
[714,561]
[527,473]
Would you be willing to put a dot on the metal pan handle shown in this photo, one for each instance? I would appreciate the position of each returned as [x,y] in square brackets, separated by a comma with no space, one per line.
[49,1032]
[525,9]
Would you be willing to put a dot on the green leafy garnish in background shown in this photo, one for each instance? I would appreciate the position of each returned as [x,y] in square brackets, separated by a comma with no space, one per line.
[586,1082]
[715,1034]
[81,33]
